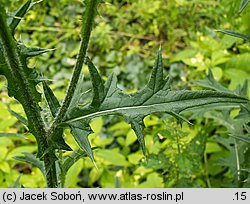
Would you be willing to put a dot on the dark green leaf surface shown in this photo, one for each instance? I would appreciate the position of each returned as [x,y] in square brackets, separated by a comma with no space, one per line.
[81,130]
[33,160]
[242,138]
[51,99]
[155,97]
[234,34]
[243,5]
[19,117]
[6,134]
[15,17]
[211,83]
[32,52]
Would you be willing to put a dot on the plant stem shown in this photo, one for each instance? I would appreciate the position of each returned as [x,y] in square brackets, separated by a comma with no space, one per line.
[19,85]
[88,21]
[206,171]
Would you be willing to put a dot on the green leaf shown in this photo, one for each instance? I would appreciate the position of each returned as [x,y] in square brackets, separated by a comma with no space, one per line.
[51,99]
[112,157]
[98,87]
[157,96]
[242,138]
[243,4]
[3,134]
[57,140]
[17,183]
[80,132]
[33,160]
[72,158]
[159,161]
[211,83]
[15,17]
[19,117]
[32,52]
[154,180]
[234,34]
[72,176]
[20,150]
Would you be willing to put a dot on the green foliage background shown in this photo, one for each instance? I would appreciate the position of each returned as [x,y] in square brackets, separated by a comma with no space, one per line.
[124,41]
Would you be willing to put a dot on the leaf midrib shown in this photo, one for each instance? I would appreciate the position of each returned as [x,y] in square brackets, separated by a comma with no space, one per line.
[114,110]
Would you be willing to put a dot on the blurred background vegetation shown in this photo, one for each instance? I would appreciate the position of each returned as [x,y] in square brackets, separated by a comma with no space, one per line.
[124,41]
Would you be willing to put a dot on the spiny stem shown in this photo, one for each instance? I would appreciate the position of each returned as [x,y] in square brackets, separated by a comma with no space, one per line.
[88,21]
[15,72]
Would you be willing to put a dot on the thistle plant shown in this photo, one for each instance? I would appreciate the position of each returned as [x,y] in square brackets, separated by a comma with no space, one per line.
[157,96]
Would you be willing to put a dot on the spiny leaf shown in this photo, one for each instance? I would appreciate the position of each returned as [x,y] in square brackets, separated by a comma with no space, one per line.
[51,99]
[244,89]
[235,34]
[155,97]
[32,52]
[15,17]
[98,87]
[19,117]
[244,112]
[138,127]
[211,83]
[157,81]
[81,131]
[58,142]
[243,5]
[33,160]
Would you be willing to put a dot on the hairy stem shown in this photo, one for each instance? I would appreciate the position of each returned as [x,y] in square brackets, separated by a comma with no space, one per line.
[88,21]
[15,71]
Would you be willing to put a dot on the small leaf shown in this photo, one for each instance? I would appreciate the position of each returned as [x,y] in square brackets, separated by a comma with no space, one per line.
[138,126]
[113,157]
[72,158]
[211,83]
[33,160]
[19,117]
[242,138]
[243,4]
[32,52]
[234,34]
[51,99]
[58,142]
[17,184]
[159,161]
[97,84]
[156,81]
[16,17]
[80,131]
[244,89]
[3,134]
[179,117]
